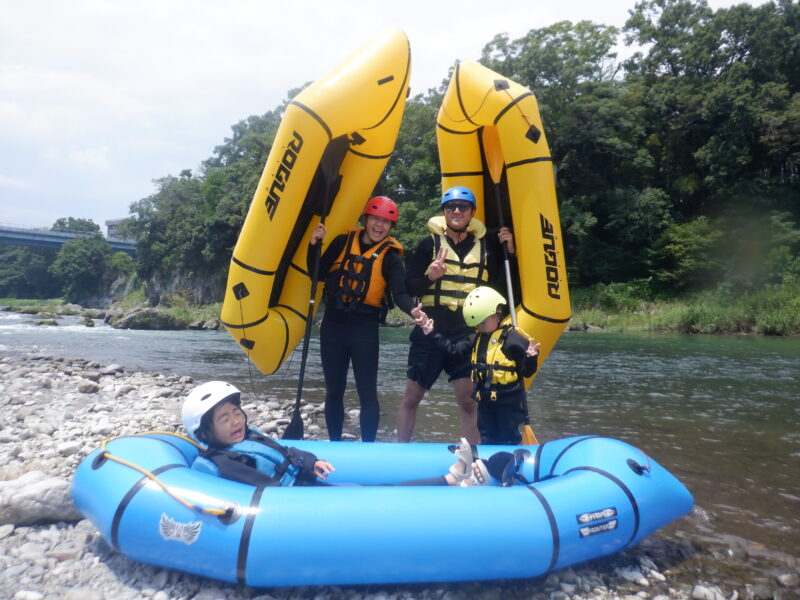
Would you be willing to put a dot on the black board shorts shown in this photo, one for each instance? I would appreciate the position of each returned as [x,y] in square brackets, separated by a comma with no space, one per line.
[427,359]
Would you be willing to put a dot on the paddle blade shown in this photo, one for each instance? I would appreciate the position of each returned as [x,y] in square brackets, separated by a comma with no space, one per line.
[294,430]
[528,439]
[493,152]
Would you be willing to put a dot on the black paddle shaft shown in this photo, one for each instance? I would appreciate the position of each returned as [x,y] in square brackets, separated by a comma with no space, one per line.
[294,430]
[328,169]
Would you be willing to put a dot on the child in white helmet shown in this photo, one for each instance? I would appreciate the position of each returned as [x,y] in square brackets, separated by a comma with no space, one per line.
[212,415]
[501,358]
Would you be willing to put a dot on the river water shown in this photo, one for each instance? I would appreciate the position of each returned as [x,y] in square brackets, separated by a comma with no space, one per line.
[721,413]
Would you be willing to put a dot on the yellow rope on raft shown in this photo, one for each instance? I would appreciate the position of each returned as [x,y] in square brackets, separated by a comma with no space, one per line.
[217,512]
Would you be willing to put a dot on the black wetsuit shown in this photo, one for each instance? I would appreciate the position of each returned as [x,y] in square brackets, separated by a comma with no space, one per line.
[349,334]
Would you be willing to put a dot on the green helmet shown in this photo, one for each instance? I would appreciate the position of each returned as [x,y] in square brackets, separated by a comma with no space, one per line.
[481,303]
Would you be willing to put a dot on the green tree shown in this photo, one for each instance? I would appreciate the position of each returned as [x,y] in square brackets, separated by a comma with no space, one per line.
[595,126]
[412,177]
[75,225]
[685,259]
[720,95]
[24,272]
[121,265]
[81,266]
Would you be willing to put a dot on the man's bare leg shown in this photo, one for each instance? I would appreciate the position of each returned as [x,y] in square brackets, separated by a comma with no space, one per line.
[407,414]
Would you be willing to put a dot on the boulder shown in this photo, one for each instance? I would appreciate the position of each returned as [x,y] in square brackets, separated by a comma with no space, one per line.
[112,369]
[146,318]
[45,315]
[36,497]
[212,324]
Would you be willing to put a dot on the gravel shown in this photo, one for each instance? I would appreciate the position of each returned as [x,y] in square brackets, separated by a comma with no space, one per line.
[54,411]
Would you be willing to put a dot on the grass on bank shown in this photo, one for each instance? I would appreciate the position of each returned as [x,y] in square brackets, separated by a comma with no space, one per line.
[176,306]
[33,306]
[617,307]
[774,310]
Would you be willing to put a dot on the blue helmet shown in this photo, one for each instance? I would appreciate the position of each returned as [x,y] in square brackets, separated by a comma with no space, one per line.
[459,193]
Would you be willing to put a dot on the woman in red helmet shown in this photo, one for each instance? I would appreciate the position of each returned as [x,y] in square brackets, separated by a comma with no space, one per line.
[363,272]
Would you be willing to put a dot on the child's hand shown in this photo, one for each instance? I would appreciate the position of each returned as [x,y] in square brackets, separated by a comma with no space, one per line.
[533,348]
[322,469]
[427,326]
[421,319]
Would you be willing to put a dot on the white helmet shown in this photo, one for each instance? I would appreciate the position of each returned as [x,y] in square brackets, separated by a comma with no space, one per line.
[202,399]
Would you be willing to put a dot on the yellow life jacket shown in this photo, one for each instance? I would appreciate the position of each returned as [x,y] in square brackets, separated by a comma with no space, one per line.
[492,370]
[461,276]
[356,276]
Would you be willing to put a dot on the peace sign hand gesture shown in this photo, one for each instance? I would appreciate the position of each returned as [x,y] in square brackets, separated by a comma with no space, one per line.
[437,267]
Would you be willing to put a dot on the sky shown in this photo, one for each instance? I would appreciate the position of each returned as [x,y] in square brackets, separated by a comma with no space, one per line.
[100,98]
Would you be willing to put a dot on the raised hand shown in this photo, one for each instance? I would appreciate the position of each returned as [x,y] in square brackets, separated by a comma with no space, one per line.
[506,237]
[318,234]
[533,348]
[437,267]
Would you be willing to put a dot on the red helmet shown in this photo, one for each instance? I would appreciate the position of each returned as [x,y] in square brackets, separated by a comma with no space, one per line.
[381,206]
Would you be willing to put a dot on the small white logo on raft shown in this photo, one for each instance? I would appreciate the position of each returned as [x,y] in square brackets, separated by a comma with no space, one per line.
[180,532]
[597,515]
[599,528]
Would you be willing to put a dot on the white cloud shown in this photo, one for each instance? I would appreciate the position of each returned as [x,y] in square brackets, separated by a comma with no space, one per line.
[89,159]
[13,183]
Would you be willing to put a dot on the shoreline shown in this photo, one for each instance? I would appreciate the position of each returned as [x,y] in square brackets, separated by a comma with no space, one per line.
[54,411]
[652,320]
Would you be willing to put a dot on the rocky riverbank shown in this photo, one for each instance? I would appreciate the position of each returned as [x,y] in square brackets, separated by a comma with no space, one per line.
[54,411]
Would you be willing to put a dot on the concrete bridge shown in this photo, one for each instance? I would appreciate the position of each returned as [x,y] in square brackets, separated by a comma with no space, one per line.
[44,238]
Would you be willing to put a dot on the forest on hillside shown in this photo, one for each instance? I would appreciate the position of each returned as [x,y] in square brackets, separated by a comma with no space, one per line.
[677,169]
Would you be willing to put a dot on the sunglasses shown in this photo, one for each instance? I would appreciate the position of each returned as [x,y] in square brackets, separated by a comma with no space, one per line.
[452,207]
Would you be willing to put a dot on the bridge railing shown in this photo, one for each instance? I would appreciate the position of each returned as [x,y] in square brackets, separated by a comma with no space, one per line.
[46,238]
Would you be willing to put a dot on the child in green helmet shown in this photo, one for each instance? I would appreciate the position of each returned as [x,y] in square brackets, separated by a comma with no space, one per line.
[501,358]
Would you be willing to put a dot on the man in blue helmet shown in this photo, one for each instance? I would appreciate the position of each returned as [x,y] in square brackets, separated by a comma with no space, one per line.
[456,258]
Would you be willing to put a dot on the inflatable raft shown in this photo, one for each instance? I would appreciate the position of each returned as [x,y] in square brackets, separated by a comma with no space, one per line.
[485,121]
[588,497]
[330,149]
